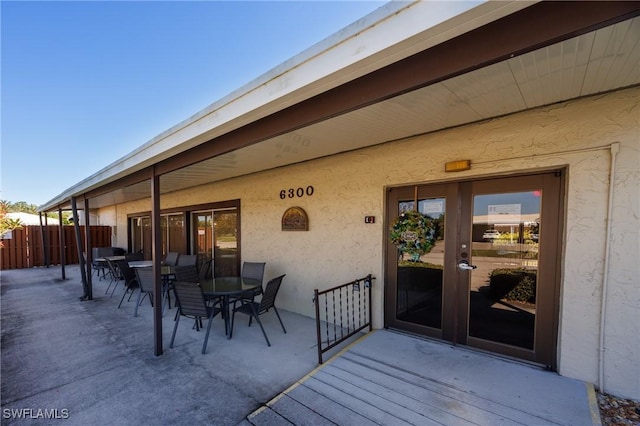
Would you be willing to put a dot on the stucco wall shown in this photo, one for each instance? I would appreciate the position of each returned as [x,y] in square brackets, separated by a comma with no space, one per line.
[339,246]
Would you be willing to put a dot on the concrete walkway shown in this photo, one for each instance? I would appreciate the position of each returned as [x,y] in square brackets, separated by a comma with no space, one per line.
[92,364]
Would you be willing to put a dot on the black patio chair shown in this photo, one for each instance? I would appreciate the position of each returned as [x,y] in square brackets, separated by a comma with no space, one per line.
[145,282]
[171,259]
[255,309]
[99,266]
[254,270]
[192,304]
[130,280]
[115,276]
[186,273]
[205,272]
[187,259]
[190,274]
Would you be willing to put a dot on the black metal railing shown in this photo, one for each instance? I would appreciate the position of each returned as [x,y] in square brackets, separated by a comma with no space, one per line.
[341,312]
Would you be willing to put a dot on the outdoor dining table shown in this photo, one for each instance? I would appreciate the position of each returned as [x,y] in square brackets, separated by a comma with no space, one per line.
[225,288]
[165,270]
[112,258]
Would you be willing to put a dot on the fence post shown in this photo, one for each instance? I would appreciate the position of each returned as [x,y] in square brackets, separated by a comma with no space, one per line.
[63,243]
[369,283]
[318,338]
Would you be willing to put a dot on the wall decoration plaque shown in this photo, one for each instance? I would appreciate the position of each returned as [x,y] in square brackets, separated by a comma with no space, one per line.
[295,219]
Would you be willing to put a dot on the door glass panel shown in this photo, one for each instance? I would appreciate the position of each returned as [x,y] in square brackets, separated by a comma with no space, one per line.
[163,235]
[203,228]
[225,243]
[176,237]
[502,290]
[216,237]
[141,236]
[419,284]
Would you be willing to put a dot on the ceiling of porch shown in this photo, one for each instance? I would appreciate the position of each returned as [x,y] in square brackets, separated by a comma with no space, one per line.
[595,62]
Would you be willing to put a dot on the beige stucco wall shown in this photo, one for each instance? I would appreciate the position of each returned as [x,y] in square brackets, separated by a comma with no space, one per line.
[340,247]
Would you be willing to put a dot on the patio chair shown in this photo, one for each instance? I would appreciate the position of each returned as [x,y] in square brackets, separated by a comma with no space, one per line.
[252,270]
[171,259]
[115,276]
[130,280]
[255,309]
[99,266]
[192,304]
[186,273]
[145,282]
[205,271]
[187,259]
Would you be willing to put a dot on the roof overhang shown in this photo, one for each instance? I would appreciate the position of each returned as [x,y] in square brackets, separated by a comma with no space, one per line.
[406,69]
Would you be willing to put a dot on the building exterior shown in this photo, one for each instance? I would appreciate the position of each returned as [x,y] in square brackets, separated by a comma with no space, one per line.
[533,108]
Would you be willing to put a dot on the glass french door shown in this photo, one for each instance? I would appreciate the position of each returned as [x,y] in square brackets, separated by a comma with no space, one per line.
[216,239]
[490,281]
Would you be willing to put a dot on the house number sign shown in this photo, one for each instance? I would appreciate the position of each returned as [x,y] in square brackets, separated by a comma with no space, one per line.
[298,192]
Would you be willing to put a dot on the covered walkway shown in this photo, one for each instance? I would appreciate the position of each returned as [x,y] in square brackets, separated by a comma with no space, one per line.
[93,364]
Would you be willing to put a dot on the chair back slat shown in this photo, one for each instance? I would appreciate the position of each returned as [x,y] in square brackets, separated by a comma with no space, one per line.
[190,299]
[186,273]
[145,279]
[127,272]
[254,270]
[171,259]
[115,272]
[204,272]
[270,293]
[187,259]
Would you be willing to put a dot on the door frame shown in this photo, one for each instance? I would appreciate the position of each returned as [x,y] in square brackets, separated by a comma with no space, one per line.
[552,233]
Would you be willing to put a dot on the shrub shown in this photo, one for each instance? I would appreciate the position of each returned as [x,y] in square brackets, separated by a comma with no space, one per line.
[513,284]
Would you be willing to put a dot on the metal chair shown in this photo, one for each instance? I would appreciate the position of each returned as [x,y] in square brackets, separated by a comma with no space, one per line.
[130,279]
[145,282]
[99,266]
[187,259]
[192,304]
[255,309]
[252,270]
[186,273]
[115,275]
[205,271]
[171,259]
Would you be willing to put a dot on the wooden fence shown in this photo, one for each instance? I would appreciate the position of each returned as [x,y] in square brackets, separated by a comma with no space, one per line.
[24,249]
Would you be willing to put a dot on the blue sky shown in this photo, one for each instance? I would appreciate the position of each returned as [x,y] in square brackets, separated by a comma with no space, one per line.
[84,83]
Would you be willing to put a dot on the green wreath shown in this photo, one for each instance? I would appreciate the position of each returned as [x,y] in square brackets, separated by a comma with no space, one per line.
[414,233]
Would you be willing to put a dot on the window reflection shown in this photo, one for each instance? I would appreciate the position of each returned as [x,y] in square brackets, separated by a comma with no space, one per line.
[505,234]
[419,290]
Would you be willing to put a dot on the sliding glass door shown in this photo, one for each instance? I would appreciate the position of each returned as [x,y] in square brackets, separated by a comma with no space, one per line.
[216,239]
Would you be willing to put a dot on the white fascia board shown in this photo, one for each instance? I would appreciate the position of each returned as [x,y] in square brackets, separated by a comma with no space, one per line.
[394,31]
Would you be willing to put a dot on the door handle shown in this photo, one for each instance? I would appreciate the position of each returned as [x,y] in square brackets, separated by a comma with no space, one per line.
[463,265]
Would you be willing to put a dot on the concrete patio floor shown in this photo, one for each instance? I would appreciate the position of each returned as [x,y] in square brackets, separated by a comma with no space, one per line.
[92,364]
